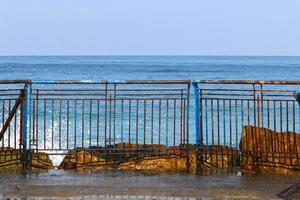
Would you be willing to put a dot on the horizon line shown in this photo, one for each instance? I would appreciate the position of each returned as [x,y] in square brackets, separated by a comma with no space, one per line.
[149,55]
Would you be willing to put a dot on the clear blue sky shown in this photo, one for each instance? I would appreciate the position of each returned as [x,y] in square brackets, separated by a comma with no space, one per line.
[155,27]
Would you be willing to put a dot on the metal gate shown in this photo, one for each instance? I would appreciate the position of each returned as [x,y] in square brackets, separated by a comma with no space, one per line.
[247,123]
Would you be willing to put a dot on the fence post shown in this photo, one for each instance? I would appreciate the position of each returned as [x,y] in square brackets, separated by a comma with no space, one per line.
[25,124]
[197,126]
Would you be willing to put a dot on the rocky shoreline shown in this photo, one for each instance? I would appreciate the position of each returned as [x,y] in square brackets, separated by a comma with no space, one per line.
[261,150]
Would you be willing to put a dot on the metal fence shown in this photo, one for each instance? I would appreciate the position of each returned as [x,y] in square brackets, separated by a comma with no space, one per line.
[255,121]
[12,102]
[106,115]
[232,121]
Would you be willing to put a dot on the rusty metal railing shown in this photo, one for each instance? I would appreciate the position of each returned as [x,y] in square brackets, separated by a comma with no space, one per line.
[105,115]
[247,121]
[234,121]
[13,125]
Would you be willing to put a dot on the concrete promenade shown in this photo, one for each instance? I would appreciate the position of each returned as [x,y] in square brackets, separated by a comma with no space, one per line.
[57,184]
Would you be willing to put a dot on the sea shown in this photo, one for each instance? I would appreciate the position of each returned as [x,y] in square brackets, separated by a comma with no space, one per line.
[149,67]
[99,68]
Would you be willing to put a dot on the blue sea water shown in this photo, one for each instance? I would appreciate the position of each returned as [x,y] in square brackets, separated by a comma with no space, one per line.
[137,68]
[149,67]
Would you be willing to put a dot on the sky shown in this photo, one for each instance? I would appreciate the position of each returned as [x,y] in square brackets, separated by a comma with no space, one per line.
[150,27]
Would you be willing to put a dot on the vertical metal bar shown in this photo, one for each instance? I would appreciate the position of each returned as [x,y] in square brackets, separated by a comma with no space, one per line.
[224,122]
[201,119]
[75,123]
[287,115]
[90,124]
[9,110]
[82,123]
[274,114]
[25,120]
[281,133]
[287,146]
[29,114]
[33,120]
[242,112]
[282,138]
[294,117]
[3,115]
[152,116]
[15,130]
[159,121]
[206,125]
[230,128]
[260,131]
[167,122]
[296,146]
[68,122]
[288,149]
[188,114]
[137,122]
[218,120]
[280,106]
[24,126]
[114,115]
[98,121]
[52,124]
[122,121]
[110,121]
[45,111]
[212,122]
[294,132]
[275,135]
[254,137]
[181,115]
[236,125]
[105,117]
[230,125]
[129,121]
[262,105]
[145,120]
[37,119]
[248,130]
[268,111]
[185,137]
[272,136]
[174,124]
[21,122]
[59,124]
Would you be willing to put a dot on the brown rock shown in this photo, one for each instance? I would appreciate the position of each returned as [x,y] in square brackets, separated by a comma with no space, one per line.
[84,157]
[41,161]
[155,158]
[267,151]
[10,159]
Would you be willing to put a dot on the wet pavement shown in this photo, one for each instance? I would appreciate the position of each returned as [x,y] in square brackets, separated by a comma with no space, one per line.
[57,184]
